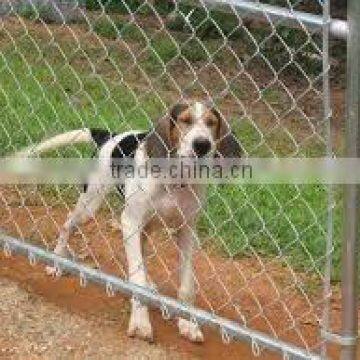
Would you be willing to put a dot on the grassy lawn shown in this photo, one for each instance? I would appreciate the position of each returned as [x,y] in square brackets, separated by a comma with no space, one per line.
[47,87]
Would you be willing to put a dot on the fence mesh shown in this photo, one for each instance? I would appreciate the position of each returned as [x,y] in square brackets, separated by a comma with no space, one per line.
[120,65]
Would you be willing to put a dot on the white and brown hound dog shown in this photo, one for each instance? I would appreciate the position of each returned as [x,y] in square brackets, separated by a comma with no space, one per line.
[191,129]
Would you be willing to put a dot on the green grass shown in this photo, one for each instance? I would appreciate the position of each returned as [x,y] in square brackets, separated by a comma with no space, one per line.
[205,25]
[284,221]
[113,29]
[114,6]
[107,28]
[126,6]
[37,104]
[36,100]
[46,13]
[194,51]
[162,50]
[279,47]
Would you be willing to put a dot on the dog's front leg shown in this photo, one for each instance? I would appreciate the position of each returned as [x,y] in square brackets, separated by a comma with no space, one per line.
[132,222]
[186,292]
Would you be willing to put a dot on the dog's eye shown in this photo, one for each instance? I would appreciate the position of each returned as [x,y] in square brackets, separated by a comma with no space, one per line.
[210,122]
[187,120]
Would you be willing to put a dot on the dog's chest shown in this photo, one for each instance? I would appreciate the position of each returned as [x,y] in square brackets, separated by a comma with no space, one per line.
[177,205]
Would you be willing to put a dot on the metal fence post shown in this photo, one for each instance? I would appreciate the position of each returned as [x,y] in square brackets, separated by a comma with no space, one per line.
[171,54]
[351,197]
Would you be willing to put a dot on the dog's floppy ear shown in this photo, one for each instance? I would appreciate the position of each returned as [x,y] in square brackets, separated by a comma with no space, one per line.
[227,145]
[159,142]
[177,109]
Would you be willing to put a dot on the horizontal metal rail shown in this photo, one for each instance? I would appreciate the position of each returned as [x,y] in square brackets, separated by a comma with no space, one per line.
[338,28]
[256,10]
[229,329]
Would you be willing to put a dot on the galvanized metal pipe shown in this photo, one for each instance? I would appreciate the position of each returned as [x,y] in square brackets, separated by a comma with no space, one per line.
[337,28]
[325,324]
[350,249]
[173,307]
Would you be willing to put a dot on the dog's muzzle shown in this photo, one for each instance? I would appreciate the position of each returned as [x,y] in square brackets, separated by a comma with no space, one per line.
[201,146]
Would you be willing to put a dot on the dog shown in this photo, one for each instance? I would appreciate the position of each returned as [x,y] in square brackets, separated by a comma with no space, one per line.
[190,129]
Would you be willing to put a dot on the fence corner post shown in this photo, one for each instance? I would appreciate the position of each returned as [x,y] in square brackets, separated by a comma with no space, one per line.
[351,239]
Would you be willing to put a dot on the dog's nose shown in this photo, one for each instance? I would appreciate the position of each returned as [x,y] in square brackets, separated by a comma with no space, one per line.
[201,146]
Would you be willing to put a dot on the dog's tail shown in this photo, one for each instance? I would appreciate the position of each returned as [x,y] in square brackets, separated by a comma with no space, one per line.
[80,136]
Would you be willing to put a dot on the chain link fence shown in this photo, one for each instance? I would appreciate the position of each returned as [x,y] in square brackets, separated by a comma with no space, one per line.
[263,269]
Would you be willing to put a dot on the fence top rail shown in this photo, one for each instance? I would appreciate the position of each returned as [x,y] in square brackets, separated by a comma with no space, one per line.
[251,9]
[337,28]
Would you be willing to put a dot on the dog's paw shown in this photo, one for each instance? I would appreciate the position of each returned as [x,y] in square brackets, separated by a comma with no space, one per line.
[115,225]
[190,330]
[52,271]
[64,252]
[139,325]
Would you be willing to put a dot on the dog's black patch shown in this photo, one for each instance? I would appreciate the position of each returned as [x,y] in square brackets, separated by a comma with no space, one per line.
[126,147]
[101,136]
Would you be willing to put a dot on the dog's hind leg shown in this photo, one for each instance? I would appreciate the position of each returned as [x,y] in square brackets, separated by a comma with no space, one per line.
[85,209]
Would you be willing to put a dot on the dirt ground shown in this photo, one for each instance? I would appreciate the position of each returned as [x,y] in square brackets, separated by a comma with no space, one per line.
[33,328]
[56,319]
[261,293]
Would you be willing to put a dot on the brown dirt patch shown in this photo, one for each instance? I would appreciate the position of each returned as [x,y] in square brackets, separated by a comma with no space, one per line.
[33,328]
[258,291]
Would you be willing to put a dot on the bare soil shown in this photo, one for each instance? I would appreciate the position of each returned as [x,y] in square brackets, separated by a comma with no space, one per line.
[258,292]
[33,328]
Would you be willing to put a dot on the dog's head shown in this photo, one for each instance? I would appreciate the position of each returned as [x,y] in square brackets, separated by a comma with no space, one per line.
[192,130]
